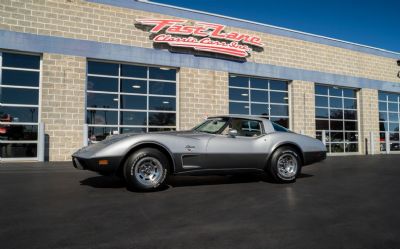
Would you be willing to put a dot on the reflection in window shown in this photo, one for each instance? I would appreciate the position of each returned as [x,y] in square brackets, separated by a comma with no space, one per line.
[124,98]
[336,114]
[19,109]
[389,120]
[259,96]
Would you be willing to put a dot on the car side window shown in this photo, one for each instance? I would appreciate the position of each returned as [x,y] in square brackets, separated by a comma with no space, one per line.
[246,127]
[279,128]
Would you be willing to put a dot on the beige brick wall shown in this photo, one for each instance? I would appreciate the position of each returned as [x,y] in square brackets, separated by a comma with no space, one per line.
[368,118]
[302,107]
[79,19]
[63,95]
[202,93]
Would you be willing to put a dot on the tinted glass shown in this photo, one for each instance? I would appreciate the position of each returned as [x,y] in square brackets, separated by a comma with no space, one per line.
[278,85]
[351,147]
[162,103]
[134,86]
[337,147]
[238,108]
[336,113]
[349,93]
[336,125]
[19,96]
[102,68]
[238,94]
[18,132]
[18,114]
[350,125]
[279,110]
[350,103]
[238,81]
[132,130]
[393,107]
[259,109]
[321,101]
[100,133]
[322,90]
[133,118]
[102,117]
[350,114]
[259,96]
[162,88]
[383,106]
[153,129]
[102,84]
[258,83]
[383,126]
[383,116]
[162,119]
[393,117]
[322,124]
[133,102]
[351,136]
[336,136]
[18,150]
[100,100]
[133,71]
[393,126]
[393,97]
[382,96]
[21,61]
[334,91]
[278,97]
[336,102]
[321,112]
[20,78]
[162,73]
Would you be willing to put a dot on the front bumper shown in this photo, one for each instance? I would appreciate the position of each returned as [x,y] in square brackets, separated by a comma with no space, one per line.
[93,164]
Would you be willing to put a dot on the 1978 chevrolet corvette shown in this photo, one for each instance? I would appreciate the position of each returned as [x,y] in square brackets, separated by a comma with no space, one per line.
[220,145]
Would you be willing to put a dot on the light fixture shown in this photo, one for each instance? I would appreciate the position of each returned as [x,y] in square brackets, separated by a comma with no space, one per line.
[164,68]
[246,106]
[136,86]
[286,98]
[245,94]
[115,99]
[165,102]
[232,76]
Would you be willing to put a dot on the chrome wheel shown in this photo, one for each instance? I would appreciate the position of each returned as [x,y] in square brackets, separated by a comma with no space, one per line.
[148,171]
[287,166]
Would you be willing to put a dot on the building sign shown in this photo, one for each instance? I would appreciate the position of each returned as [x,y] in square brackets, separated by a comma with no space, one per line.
[201,36]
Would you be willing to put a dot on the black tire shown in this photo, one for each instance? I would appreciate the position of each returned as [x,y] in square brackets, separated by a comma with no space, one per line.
[146,169]
[275,167]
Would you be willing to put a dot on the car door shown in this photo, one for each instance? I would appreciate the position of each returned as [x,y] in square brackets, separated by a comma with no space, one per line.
[245,150]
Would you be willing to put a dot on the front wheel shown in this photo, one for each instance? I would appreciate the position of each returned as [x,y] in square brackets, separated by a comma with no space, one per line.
[285,165]
[146,169]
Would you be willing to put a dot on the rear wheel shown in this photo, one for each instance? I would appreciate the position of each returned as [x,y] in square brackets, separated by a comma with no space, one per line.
[146,169]
[285,165]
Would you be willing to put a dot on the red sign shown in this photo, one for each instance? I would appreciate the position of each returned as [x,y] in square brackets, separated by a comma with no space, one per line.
[200,36]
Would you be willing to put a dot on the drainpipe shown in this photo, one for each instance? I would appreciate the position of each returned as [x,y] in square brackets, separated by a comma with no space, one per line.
[41,142]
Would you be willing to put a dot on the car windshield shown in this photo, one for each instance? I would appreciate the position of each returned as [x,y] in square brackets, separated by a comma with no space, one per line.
[213,126]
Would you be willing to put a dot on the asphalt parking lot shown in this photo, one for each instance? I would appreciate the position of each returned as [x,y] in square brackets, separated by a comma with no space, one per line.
[344,202]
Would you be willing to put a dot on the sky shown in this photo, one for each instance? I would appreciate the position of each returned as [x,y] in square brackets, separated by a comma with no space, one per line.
[368,22]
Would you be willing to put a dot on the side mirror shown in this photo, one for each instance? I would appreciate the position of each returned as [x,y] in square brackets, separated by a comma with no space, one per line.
[232,132]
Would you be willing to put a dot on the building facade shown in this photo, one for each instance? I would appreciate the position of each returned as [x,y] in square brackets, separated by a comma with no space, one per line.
[75,71]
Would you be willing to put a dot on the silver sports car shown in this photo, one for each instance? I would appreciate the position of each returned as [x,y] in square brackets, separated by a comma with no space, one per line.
[220,145]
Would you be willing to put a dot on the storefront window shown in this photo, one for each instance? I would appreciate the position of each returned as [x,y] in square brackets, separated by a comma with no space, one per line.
[336,115]
[259,96]
[19,105]
[124,98]
[389,121]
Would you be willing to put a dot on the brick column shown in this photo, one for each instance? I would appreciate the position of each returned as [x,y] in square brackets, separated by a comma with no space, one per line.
[368,118]
[302,107]
[63,103]
[201,93]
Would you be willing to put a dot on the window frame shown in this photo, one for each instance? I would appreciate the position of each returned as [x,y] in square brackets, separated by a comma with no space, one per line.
[119,94]
[343,120]
[249,102]
[38,106]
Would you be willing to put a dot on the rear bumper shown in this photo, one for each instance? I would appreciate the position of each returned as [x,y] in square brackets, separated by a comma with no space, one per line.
[92,164]
[313,157]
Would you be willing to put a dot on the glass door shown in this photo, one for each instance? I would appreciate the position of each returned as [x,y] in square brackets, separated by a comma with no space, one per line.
[19,105]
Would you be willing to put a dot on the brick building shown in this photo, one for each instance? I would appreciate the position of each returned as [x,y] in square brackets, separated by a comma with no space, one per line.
[78,70]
